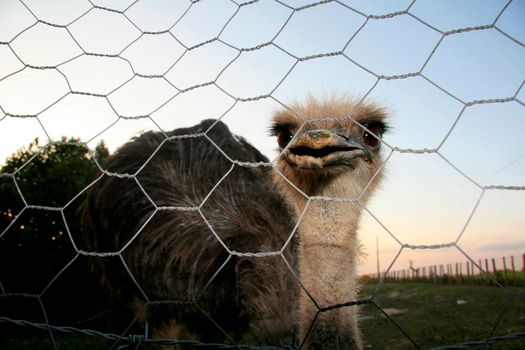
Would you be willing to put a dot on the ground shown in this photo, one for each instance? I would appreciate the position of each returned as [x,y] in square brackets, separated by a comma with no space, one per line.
[431,314]
[438,315]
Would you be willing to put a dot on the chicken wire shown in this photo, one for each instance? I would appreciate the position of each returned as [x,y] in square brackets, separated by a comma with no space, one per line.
[136,32]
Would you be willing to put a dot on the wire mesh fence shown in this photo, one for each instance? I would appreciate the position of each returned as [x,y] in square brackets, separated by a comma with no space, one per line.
[40,77]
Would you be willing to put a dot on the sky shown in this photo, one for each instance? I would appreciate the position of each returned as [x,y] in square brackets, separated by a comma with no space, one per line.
[159,65]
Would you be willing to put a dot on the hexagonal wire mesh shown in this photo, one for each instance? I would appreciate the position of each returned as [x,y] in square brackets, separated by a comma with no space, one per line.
[146,59]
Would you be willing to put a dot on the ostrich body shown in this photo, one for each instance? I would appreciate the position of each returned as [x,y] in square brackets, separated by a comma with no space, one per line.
[179,254]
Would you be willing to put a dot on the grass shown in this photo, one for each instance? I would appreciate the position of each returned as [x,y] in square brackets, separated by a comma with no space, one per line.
[42,341]
[432,315]
[439,315]
[507,278]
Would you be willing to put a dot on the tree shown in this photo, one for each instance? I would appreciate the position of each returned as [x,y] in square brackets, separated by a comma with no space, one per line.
[34,244]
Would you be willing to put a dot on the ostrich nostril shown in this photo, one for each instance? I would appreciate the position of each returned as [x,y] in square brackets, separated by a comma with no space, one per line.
[343,136]
[319,133]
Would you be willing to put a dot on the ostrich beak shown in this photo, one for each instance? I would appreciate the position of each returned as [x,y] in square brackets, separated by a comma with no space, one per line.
[321,148]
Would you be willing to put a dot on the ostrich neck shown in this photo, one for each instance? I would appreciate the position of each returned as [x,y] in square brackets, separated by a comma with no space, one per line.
[327,251]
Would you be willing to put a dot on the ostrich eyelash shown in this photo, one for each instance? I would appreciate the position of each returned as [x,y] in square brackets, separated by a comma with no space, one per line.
[276,129]
[376,124]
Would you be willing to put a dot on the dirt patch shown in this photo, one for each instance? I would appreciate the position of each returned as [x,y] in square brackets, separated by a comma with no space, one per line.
[391,312]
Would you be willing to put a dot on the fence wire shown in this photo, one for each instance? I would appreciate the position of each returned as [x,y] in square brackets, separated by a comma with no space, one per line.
[136,340]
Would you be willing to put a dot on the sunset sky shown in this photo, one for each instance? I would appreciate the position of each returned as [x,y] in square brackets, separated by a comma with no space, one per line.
[426,198]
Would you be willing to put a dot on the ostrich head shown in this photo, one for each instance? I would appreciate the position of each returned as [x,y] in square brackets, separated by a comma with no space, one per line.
[329,148]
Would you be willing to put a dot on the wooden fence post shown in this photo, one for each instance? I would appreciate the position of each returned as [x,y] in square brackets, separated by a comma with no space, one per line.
[504,271]
[453,274]
[487,271]
[494,269]
[470,270]
[480,272]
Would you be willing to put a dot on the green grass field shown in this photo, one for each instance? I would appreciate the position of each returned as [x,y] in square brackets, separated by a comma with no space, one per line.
[432,315]
[439,315]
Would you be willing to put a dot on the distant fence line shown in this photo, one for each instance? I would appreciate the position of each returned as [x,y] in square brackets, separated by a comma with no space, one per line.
[506,271]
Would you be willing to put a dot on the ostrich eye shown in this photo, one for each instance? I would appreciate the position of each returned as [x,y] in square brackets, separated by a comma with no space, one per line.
[283,138]
[372,140]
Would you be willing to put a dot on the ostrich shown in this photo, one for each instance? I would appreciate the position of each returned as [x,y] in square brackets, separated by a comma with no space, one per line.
[177,236]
